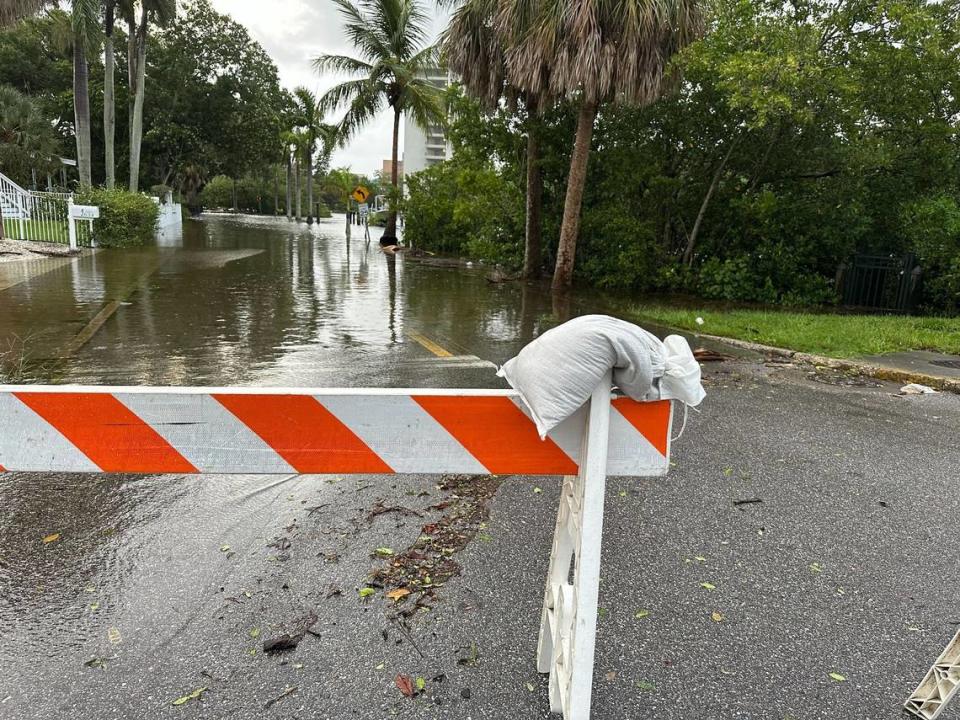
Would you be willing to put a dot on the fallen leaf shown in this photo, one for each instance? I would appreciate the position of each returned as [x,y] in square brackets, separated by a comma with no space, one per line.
[646,686]
[610,676]
[602,613]
[728,471]
[716,616]
[404,685]
[255,632]
[622,493]
[530,687]
[94,606]
[366,592]
[51,538]
[384,551]
[641,614]
[421,684]
[837,676]
[297,666]
[700,558]
[192,696]
[398,593]
[708,586]
[380,666]
[538,490]
[224,548]
[816,567]
[841,591]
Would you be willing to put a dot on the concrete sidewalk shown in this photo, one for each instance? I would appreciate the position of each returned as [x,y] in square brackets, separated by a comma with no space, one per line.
[843,559]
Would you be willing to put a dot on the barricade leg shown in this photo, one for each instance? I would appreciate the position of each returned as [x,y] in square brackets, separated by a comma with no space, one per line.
[568,622]
[940,685]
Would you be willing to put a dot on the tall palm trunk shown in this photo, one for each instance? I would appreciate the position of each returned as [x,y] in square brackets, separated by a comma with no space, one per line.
[109,103]
[309,158]
[137,59]
[297,169]
[391,230]
[289,186]
[533,252]
[81,110]
[276,190]
[576,180]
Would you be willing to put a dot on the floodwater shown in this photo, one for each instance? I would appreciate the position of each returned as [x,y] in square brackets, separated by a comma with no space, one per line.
[232,301]
[244,300]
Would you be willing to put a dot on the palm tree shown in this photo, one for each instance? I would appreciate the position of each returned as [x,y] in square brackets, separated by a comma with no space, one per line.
[309,116]
[159,12]
[85,24]
[390,38]
[598,52]
[109,102]
[474,50]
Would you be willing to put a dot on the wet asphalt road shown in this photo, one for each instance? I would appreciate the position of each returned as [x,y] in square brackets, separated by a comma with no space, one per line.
[848,564]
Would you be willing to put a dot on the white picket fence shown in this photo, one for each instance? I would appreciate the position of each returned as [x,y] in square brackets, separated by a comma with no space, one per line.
[40,216]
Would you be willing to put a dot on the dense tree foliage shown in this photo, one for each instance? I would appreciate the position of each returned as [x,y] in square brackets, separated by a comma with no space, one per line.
[796,135]
[214,103]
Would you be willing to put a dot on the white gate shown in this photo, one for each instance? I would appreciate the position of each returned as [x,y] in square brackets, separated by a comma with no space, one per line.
[39,216]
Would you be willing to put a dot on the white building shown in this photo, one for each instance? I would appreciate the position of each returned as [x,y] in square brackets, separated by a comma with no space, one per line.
[425,147]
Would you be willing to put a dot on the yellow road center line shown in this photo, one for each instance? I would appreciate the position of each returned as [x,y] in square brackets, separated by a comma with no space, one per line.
[430,345]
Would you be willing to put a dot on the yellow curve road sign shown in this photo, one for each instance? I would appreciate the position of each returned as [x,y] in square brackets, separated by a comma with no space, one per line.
[360,194]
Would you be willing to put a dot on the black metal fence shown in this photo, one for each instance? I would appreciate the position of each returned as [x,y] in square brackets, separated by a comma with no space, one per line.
[880,282]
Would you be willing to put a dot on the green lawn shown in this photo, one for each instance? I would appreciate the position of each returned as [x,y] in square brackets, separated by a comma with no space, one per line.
[839,336]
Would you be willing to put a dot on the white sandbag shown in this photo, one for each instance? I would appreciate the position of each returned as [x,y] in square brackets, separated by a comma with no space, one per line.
[556,373]
[681,372]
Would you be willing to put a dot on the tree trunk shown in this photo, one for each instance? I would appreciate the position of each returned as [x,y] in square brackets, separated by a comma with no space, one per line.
[576,180]
[234,208]
[276,190]
[309,185]
[109,102]
[390,232]
[532,254]
[81,110]
[136,119]
[296,167]
[289,186]
[692,238]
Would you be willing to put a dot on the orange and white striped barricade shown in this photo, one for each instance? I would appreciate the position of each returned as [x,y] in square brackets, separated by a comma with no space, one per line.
[155,430]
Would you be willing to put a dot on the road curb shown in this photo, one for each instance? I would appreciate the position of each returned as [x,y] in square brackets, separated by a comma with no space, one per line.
[875,371]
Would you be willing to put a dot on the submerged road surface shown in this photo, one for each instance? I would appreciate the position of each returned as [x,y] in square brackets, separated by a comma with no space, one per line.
[808,527]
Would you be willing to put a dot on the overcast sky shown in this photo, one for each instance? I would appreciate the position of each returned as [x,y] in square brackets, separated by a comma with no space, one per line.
[293,32]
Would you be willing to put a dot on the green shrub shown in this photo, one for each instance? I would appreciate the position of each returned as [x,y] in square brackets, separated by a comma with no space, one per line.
[468,208]
[322,210]
[932,226]
[160,191]
[126,218]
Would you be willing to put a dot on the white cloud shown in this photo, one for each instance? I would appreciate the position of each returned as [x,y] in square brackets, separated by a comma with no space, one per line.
[293,32]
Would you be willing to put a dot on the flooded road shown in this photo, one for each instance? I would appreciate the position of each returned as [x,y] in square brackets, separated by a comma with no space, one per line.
[242,300]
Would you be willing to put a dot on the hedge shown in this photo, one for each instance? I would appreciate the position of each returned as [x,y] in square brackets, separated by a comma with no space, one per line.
[126,218]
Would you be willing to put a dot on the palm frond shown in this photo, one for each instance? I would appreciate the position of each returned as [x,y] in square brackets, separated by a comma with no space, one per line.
[341,64]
